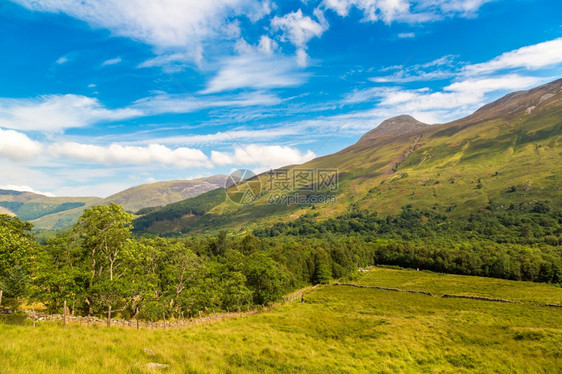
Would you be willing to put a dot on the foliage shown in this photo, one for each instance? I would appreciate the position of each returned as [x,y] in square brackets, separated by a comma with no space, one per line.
[18,257]
[198,206]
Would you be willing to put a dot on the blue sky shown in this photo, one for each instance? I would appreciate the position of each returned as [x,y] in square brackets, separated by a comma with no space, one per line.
[100,95]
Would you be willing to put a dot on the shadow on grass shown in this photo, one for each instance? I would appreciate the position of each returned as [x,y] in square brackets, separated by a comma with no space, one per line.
[17,318]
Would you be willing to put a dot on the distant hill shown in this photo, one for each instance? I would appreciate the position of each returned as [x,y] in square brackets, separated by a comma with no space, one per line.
[162,193]
[508,153]
[51,213]
[33,207]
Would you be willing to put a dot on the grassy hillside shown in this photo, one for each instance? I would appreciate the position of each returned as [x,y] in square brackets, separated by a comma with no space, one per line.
[338,329]
[43,211]
[506,154]
[53,213]
[163,193]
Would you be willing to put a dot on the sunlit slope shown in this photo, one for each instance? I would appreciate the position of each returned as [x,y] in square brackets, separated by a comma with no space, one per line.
[508,152]
[39,208]
[162,193]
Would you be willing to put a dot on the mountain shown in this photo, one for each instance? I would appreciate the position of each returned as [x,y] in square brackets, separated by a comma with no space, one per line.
[508,153]
[395,126]
[162,193]
[30,206]
[50,213]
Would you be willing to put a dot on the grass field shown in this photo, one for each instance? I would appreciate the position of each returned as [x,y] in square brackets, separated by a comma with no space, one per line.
[337,330]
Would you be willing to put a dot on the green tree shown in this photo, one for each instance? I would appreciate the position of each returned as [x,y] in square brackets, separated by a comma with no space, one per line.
[14,285]
[104,231]
[265,278]
[104,235]
[18,255]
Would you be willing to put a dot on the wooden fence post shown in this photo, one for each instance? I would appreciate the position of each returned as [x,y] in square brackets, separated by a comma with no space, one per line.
[64,315]
[0,297]
[109,316]
[137,313]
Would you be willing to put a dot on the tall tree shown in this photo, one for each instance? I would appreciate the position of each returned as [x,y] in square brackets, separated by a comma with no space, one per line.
[18,252]
[104,234]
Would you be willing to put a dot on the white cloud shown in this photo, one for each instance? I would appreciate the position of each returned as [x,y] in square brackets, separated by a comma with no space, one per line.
[257,71]
[373,10]
[441,68]
[267,45]
[473,85]
[530,57]
[62,60]
[164,24]
[297,28]
[17,146]
[172,62]
[485,85]
[53,113]
[182,103]
[406,35]
[24,188]
[462,7]
[130,155]
[111,61]
[406,11]
[302,57]
[268,156]
[226,137]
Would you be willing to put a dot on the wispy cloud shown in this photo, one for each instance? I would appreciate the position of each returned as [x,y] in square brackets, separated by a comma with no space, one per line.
[406,35]
[255,71]
[531,57]
[53,113]
[164,24]
[442,68]
[416,11]
[112,61]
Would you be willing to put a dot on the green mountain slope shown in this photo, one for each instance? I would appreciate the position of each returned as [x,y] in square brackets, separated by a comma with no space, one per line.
[162,193]
[507,153]
[52,213]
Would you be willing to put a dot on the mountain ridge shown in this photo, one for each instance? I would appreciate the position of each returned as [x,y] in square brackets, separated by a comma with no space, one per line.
[505,153]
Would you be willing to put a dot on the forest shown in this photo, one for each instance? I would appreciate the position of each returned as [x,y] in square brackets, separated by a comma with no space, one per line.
[100,266]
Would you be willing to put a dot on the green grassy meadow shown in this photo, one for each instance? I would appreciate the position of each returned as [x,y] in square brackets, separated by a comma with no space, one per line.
[338,329]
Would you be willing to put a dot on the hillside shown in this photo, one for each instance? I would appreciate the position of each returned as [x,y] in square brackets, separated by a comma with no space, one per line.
[163,193]
[44,211]
[51,213]
[339,329]
[505,154]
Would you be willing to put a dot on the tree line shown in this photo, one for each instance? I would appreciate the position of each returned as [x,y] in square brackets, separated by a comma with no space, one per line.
[100,266]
